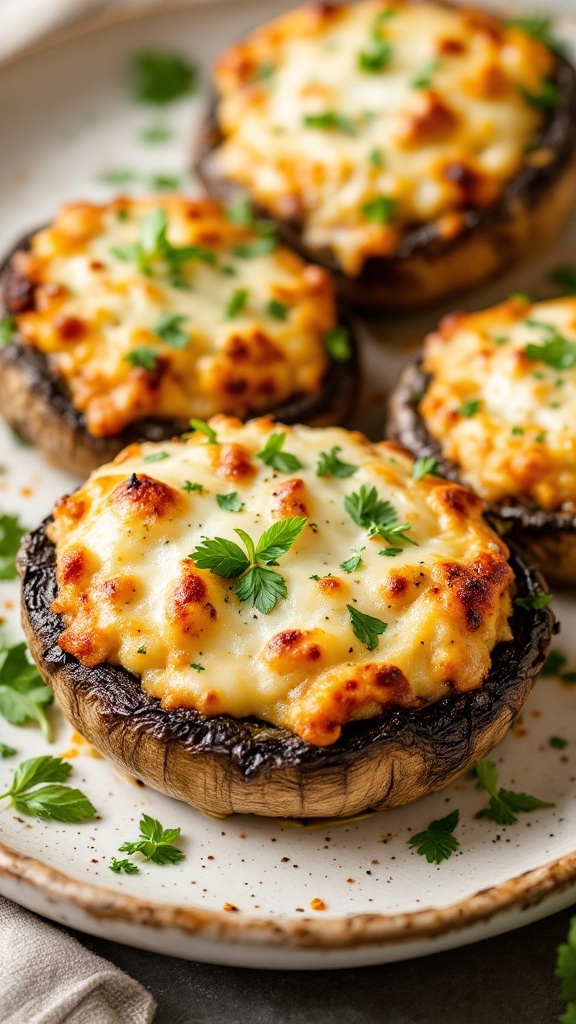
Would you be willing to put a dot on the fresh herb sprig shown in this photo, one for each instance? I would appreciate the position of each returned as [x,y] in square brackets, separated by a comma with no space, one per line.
[11,533]
[534,602]
[437,842]
[6,751]
[330,465]
[504,804]
[424,466]
[155,842]
[230,502]
[23,695]
[352,563]
[161,76]
[117,866]
[256,582]
[366,628]
[153,247]
[555,350]
[377,516]
[169,327]
[36,789]
[273,455]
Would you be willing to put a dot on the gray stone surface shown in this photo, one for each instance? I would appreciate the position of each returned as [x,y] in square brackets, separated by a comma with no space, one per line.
[508,980]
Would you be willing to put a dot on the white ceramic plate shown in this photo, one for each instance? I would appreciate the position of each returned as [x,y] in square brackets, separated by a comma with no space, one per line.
[67,117]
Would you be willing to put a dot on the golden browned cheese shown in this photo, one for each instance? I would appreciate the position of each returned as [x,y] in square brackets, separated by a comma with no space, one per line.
[130,594]
[502,400]
[136,332]
[361,120]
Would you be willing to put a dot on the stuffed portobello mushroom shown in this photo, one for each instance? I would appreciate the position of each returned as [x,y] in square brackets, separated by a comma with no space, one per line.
[492,401]
[129,319]
[287,621]
[412,147]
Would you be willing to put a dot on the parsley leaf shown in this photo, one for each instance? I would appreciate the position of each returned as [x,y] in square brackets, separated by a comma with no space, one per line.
[257,583]
[437,843]
[272,455]
[354,562]
[143,357]
[260,247]
[424,466]
[204,428]
[377,516]
[165,182]
[153,246]
[7,329]
[119,176]
[540,28]
[6,751]
[534,602]
[565,278]
[160,76]
[61,803]
[548,98]
[330,465]
[197,667]
[155,842]
[156,133]
[380,210]
[556,350]
[123,865]
[504,804]
[156,457]
[277,309]
[365,627]
[188,486]
[240,212]
[557,742]
[376,59]
[23,694]
[169,327]
[237,303]
[337,343]
[423,78]
[470,408]
[11,533]
[230,502]
[555,666]
[329,120]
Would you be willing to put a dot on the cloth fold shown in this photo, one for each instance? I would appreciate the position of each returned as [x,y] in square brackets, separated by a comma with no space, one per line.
[49,978]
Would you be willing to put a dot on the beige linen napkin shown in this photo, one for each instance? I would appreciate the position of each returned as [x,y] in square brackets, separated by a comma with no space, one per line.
[47,977]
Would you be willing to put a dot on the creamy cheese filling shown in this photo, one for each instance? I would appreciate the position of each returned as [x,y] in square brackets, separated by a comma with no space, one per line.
[361,120]
[438,586]
[137,330]
[502,400]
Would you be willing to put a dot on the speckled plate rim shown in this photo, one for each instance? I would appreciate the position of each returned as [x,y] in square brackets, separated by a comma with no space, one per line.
[521,892]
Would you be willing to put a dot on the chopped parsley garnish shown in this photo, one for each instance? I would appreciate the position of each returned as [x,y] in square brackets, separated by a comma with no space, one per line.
[352,563]
[365,627]
[548,98]
[11,533]
[376,158]
[156,133]
[540,438]
[273,455]
[153,247]
[470,408]
[263,73]
[565,278]
[143,357]
[424,466]
[230,502]
[378,517]
[337,343]
[380,210]
[500,339]
[190,486]
[555,666]
[540,28]
[260,247]
[437,842]
[161,76]
[237,303]
[277,309]
[330,120]
[6,751]
[240,212]
[504,804]
[556,350]
[377,59]
[141,650]
[165,182]
[391,552]
[23,693]
[517,431]
[423,78]
[330,465]
[7,329]
[204,428]
[566,973]
[256,583]
[52,800]
[123,865]
[197,667]
[119,176]
[156,457]
[557,743]
[155,842]
[534,602]
[169,327]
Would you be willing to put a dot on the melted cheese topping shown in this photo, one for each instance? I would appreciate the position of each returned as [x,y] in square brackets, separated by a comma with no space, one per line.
[439,125]
[519,440]
[92,309]
[129,593]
